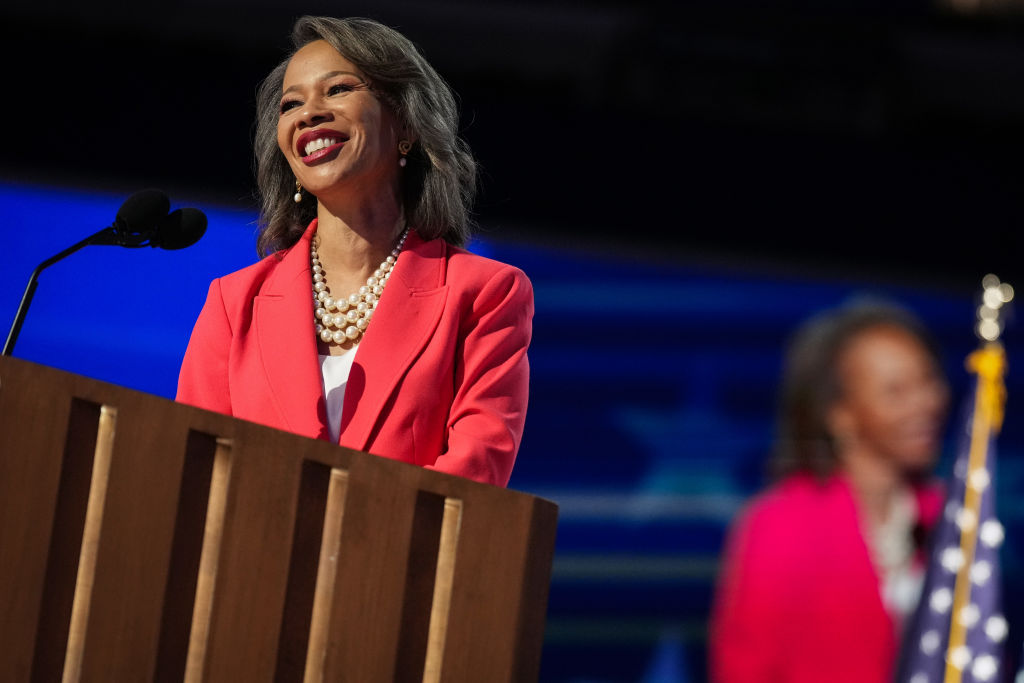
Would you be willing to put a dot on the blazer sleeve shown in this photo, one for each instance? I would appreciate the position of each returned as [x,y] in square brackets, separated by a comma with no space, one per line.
[203,379]
[492,379]
[746,618]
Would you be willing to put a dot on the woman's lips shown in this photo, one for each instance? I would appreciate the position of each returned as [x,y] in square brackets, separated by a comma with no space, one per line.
[317,145]
[322,154]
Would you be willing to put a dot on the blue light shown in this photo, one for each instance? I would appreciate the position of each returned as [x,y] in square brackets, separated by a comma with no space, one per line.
[120,315]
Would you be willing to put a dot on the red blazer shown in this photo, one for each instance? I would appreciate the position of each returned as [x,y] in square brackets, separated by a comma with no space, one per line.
[798,598]
[440,378]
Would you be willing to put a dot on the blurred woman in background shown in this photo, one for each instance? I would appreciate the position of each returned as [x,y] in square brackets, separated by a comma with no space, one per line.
[820,571]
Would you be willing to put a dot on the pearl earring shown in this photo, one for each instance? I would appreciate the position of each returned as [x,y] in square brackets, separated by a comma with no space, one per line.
[298,192]
[403,148]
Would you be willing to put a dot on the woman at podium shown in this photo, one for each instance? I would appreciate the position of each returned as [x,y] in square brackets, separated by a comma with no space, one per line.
[365,322]
[821,570]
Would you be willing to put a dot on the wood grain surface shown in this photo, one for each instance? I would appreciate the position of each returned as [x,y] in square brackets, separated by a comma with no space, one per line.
[142,539]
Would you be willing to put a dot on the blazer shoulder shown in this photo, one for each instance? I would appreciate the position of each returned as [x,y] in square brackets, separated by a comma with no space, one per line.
[783,528]
[794,502]
[465,267]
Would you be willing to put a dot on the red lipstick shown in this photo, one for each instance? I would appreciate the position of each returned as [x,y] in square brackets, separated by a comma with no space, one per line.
[334,140]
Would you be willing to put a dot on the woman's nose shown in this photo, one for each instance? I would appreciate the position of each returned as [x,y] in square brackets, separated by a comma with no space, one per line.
[313,114]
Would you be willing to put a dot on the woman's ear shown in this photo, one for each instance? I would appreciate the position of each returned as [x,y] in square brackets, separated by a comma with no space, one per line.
[405,132]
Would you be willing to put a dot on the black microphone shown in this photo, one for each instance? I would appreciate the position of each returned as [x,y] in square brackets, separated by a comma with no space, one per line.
[137,220]
[142,220]
[179,229]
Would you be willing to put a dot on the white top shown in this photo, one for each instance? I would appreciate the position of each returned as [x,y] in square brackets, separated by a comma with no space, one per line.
[334,371]
[893,550]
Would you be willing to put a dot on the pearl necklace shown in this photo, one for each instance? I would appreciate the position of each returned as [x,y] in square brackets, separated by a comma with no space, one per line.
[343,320]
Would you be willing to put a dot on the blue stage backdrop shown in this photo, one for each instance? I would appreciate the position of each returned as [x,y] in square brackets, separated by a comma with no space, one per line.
[651,409]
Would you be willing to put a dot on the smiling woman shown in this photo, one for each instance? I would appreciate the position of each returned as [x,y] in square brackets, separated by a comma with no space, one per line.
[366,190]
[439,181]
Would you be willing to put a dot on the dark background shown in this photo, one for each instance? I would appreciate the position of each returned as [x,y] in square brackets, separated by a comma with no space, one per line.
[682,184]
[879,136]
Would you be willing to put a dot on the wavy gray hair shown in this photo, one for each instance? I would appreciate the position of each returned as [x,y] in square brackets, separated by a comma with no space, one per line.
[439,180]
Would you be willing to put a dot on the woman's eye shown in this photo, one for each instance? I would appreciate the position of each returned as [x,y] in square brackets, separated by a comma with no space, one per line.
[340,88]
[290,104]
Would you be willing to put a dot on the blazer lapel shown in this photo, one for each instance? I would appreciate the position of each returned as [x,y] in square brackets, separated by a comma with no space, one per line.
[406,317]
[283,318]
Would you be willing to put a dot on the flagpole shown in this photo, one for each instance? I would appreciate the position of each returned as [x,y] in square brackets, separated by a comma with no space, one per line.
[988,363]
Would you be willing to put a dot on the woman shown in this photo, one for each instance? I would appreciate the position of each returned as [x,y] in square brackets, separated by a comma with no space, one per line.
[366,323]
[820,571]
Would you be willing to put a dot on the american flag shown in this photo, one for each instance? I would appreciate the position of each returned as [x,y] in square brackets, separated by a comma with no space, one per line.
[958,632]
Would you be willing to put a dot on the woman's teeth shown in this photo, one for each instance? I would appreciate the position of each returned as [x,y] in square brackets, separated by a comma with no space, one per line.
[318,144]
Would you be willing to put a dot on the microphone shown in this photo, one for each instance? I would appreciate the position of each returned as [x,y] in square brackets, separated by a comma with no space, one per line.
[137,220]
[179,229]
[141,221]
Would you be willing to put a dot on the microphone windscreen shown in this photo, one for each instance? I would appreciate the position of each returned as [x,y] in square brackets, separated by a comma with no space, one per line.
[142,210]
[179,229]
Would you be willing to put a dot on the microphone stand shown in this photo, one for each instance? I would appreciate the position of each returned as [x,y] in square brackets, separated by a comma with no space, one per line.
[33,281]
[146,208]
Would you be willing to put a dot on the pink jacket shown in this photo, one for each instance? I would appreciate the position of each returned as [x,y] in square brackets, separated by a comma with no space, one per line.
[440,379]
[798,597]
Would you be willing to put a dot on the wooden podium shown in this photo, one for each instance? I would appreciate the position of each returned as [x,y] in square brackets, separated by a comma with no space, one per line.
[145,540]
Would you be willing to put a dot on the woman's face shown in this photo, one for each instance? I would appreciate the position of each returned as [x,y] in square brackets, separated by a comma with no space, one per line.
[335,133]
[894,399]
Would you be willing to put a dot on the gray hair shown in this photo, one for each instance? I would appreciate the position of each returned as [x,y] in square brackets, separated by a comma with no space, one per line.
[439,180]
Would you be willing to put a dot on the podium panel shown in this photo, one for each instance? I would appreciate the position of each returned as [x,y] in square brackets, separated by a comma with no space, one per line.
[141,539]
